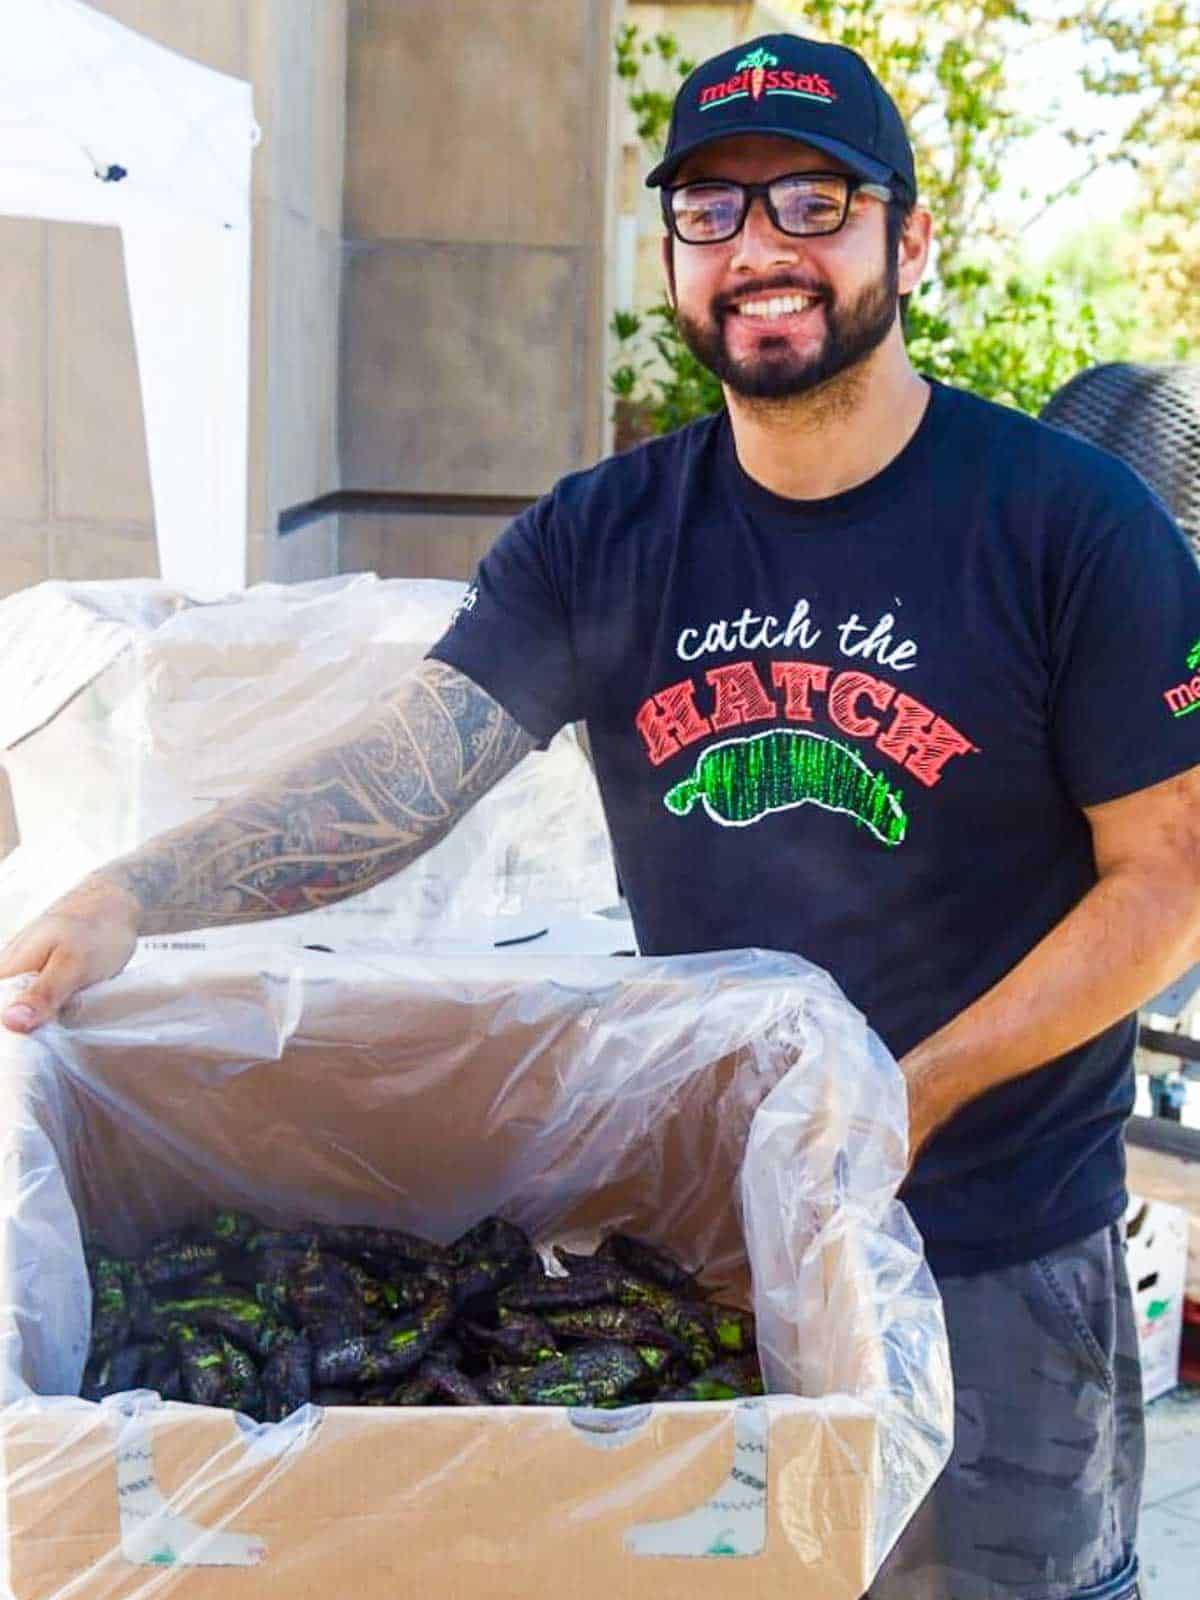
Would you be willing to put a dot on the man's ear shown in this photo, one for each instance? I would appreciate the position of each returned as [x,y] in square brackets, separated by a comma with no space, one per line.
[668,265]
[913,248]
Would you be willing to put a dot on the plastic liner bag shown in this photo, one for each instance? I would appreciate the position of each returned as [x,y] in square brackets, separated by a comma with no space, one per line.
[130,708]
[732,1108]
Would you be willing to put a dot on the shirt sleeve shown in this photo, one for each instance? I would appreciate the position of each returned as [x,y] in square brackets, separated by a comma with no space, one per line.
[511,633]
[1125,674]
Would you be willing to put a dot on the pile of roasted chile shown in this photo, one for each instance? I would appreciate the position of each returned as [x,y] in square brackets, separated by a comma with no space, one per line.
[263,1320]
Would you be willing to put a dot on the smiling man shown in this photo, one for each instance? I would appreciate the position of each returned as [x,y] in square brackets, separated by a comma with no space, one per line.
[792,334]
[875,672]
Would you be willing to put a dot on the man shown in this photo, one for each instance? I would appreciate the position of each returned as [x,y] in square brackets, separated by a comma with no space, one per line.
[873,671]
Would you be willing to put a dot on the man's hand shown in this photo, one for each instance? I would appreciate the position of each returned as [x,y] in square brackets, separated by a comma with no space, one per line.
[86,936]
[340,820]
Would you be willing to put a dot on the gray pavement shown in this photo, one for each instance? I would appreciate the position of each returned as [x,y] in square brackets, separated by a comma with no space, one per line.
[1169,1530]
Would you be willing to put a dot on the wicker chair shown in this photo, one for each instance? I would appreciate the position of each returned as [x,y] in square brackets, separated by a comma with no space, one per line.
[1150,417]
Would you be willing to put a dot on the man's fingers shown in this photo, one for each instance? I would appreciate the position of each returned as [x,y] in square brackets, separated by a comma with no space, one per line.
[87,935]
[23,954]
[58,980]
[21,1018]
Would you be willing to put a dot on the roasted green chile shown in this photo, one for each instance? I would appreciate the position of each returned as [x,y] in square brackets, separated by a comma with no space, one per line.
[265,1319]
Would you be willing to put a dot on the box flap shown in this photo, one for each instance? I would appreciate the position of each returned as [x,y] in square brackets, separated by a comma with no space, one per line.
[57,637]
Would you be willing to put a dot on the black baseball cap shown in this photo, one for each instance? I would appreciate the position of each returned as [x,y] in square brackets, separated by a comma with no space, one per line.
[820,94]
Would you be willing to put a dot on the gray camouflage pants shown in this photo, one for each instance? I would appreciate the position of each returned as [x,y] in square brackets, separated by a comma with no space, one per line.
[1040,1498]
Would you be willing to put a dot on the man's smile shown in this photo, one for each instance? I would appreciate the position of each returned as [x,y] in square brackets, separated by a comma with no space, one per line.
[772,308]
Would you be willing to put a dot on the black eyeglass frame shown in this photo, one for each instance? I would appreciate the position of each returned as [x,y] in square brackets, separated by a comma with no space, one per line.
[878,191]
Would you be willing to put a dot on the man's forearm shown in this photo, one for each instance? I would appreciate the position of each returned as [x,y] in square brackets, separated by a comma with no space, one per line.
[336,823]
[1135,932]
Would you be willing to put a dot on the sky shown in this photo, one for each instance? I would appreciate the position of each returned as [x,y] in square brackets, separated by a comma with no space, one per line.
[1047,162]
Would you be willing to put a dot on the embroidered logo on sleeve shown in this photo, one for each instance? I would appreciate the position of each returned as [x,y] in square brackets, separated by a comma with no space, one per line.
[467,603]
[1185,697]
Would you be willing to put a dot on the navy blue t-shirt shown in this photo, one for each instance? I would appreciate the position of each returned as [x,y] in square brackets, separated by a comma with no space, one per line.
[863,729]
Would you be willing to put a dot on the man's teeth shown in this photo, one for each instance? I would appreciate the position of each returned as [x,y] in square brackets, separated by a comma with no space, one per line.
[780,306]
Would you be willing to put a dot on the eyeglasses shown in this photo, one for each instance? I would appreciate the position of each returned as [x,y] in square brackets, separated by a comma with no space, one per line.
[799,203]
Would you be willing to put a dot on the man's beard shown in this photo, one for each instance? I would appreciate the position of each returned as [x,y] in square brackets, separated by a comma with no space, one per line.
[777,371]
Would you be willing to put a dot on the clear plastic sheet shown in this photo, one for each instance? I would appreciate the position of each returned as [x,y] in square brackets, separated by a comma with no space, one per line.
[733,1108]
[158,707]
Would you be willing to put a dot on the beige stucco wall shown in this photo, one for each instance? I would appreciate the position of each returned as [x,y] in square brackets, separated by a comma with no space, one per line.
[415,545]
[74,482]
[473,292]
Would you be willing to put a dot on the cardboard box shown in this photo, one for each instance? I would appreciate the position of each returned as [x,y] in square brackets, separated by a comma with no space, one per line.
[320,1088]
[1158,1175]
[1157,1257]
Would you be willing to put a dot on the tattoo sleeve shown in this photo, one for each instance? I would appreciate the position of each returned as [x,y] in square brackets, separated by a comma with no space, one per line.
[341,820]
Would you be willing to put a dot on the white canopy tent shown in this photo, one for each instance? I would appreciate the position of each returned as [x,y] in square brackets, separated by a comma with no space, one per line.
[100,125]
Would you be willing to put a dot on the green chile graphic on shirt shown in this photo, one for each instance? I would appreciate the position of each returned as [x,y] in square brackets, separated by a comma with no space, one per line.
[741,780]
[746,776]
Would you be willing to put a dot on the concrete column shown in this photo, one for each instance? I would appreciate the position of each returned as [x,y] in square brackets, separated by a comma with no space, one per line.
[297,56]
[473,298]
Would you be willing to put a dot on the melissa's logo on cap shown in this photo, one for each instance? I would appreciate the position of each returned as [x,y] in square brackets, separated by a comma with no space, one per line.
[753,77]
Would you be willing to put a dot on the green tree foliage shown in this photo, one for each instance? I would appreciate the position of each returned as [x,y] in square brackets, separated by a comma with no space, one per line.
[958,70]
[1010,338]
[648,101]
[1148,72]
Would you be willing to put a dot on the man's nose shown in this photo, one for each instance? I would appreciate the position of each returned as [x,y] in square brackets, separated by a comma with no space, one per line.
[760,243]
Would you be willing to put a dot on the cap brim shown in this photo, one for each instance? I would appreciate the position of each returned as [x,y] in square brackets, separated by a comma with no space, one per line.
[873,171]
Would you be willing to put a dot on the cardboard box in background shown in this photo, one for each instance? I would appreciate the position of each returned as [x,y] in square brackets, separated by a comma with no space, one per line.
[129,708]
[1159,1175]
[319,1088]
[1156,1251]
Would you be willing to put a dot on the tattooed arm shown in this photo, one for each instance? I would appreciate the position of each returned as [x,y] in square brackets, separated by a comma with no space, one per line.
[339,821]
